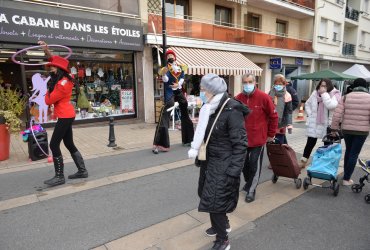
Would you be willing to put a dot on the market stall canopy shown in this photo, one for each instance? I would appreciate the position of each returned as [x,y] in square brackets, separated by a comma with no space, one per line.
[330,74]
[204,61]
[359,71]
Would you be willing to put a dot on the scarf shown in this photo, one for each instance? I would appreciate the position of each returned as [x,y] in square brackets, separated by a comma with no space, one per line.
[205,112]
[278,98]
[320,119]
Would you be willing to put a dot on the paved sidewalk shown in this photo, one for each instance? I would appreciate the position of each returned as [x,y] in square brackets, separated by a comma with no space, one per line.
[92,141]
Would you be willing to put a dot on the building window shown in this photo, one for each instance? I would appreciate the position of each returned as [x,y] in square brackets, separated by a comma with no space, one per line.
[366,6]
[253,22]
[362,40]
[323,28]
[223,16]
[336,32]
[177,8]
[281,28]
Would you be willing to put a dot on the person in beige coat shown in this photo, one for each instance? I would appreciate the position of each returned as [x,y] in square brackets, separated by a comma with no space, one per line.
[353,112]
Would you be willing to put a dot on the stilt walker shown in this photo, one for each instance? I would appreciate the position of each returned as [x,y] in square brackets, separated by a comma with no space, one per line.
[173,78]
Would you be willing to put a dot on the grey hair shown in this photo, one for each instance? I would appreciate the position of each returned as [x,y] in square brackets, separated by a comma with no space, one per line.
[249,75]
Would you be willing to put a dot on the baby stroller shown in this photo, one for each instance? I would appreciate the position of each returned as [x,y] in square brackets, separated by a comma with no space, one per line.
[357,188]
[325,164]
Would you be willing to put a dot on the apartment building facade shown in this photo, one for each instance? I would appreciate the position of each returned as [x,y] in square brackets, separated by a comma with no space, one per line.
[342,34]
[273,36]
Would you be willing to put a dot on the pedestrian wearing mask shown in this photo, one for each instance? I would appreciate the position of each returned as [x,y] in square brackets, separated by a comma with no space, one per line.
[353,112]
[319,109]
[261,125]
[219,178]
[59,94]
[283,105]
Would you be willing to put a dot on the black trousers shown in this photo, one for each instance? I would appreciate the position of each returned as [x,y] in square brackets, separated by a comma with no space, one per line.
[218,222]
[161,136]
[310,144]
[252,170]
[187,128]
[62,131]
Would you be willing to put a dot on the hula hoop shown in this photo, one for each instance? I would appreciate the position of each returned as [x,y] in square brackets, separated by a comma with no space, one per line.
[39,46]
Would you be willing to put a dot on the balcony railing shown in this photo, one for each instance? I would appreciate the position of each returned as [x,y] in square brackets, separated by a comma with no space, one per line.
[352,14]
[348,49]
[209,31]
[309,4]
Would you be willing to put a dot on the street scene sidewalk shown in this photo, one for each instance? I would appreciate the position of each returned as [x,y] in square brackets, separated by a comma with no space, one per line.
[134,199]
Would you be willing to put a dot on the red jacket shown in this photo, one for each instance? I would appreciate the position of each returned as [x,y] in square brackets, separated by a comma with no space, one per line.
[60,97]
[262,122]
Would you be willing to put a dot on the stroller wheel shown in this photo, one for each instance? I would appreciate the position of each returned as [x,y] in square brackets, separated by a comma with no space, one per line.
[367,198]
[306,183]
[298,183]
[335,188]
[274,178]
[356,188]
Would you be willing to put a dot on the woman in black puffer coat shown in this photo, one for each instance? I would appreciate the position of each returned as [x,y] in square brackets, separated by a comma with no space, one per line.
[219,178]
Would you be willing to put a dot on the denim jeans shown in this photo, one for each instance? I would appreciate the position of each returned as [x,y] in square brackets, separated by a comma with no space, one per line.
[354,145]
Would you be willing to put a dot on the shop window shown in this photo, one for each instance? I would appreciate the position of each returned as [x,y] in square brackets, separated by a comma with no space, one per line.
[106,79]
[281,28]
[253,22]
[223,16]
[123,6]
[177,8]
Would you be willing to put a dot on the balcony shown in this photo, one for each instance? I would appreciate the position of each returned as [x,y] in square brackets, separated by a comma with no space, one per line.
[211,32]
[352,14]
[348,49]
[309,4]
[299,9]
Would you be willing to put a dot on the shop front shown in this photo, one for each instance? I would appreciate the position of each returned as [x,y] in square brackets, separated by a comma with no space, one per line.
[102,62]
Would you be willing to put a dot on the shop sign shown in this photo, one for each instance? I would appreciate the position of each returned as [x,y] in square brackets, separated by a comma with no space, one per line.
[30,27]
[299,61]
[276,63]
[127,101]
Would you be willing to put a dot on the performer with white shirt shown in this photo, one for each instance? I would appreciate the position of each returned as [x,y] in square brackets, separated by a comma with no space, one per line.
[173,78]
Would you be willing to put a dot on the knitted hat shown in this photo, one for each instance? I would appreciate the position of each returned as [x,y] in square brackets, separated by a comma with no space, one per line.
[213,84]
[169,51]
[360,82]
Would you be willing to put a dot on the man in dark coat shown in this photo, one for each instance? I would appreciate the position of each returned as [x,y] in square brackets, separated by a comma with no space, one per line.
[294,94]
[219,178]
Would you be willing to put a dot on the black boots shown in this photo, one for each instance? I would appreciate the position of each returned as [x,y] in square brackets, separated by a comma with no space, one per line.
[79,161]
[58,179]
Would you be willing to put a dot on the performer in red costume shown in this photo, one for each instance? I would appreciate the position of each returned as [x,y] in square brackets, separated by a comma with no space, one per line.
[59,94]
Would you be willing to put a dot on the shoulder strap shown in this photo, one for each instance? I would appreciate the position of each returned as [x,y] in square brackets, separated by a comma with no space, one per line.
[219,112]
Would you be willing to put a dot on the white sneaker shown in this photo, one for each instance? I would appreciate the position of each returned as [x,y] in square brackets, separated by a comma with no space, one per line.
[303,162]
[347,183]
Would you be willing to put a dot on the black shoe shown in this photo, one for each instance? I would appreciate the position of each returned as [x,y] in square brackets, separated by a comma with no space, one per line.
[58,179]
[212,232]
[186,144]
[79,161]
[155,150]
[221,245]
[250,197]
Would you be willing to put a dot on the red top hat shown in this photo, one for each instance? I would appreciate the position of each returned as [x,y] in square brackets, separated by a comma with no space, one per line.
[59,62]
[168,52]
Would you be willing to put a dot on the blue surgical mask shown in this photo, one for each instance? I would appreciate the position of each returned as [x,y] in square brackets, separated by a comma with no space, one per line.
[278,87]
[203,96]
[248,88]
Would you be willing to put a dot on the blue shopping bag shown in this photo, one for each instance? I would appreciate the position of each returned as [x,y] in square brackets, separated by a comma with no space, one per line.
[325,162]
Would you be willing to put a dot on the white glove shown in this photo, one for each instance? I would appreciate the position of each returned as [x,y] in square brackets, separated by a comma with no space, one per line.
[192,153]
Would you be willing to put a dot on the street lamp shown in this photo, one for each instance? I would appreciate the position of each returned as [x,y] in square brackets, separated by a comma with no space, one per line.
[164,38]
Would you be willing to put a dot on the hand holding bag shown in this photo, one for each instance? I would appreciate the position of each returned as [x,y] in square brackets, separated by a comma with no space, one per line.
[202,152]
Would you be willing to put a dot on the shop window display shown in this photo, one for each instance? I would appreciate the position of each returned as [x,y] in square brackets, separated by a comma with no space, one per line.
[106,83]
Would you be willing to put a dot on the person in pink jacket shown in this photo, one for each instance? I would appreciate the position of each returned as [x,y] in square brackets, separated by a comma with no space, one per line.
[353,112]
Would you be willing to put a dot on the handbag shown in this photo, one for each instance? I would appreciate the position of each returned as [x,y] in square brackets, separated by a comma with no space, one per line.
[202,152]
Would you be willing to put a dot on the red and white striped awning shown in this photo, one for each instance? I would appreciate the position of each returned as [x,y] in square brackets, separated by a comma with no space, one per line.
[204,61]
